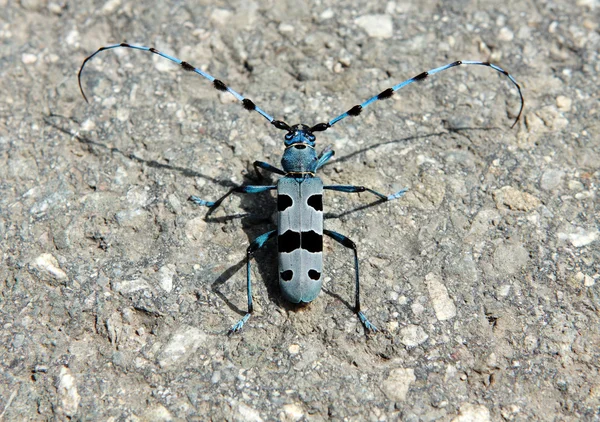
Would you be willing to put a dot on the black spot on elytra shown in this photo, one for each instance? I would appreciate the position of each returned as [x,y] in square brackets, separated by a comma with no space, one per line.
[315,202]
[286,275]
[288,242]
[314,274]
[312,242]
[284,202]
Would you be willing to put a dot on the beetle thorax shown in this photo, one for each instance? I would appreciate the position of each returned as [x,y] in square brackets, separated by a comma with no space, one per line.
[300,155]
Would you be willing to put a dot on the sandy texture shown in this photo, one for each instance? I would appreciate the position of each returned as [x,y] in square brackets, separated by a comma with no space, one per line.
[116,292]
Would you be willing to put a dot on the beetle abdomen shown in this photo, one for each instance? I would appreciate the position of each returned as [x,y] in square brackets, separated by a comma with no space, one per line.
[300,237]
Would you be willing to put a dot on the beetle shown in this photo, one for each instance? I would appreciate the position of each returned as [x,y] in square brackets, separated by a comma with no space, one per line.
[300,192]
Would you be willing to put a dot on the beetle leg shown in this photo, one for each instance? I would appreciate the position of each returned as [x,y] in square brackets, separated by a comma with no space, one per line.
[256,244]
[356,189]
[345,241]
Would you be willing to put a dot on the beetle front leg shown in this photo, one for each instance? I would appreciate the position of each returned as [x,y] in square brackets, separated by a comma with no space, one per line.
[267,167]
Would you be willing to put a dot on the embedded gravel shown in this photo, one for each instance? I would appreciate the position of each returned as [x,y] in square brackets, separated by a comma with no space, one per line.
[116,292]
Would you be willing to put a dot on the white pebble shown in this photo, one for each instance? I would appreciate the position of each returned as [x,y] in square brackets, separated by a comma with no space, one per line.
[220,16]
[88,125]
[130,286]
[376,26]
[110,6]
[443,305]
[49,265]
[293,412]
[588,281]
[28,58]
[563,103]
[413,335]
[472,413]
[397,384]
[67,390]
[506,34]
[327,14]
[55,8]
[248,413]
[183,343]
[580,237]
[286,28]
[166,274]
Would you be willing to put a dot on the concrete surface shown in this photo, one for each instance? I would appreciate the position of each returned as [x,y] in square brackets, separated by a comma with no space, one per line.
[116,292]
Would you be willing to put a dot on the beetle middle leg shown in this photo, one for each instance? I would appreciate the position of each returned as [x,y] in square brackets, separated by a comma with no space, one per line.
[239,189]
[345,241]
[357,189]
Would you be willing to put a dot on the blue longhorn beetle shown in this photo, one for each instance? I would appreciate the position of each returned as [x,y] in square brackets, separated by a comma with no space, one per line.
[300,192]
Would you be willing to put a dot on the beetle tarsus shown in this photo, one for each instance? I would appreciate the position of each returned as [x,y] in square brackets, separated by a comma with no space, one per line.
[366,323]
[237,327]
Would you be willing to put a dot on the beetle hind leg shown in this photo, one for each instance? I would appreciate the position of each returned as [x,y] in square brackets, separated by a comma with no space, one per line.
[256,244]
[345,241]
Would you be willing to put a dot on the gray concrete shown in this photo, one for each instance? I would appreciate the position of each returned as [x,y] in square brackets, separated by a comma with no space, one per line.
[116,292]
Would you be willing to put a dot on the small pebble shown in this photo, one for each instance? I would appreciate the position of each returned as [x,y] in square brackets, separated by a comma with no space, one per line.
[327,14]
[293,412]
[506,34]
[110,6]
[563,103]
[413,335]
[472,412]
[376,26]
[28,58]
[398,383]
[48,264]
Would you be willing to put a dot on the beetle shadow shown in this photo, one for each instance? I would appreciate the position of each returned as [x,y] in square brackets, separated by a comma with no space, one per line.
[92,144]
[406,140]
[252,224]
[254,221]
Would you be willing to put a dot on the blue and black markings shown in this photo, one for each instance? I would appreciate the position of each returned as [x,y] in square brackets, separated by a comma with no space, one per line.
[309,241]
[315,202]
[300,229]
[284,202]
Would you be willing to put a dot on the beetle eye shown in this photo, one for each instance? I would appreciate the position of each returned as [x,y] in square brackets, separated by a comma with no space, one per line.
[288,136]
[311,137]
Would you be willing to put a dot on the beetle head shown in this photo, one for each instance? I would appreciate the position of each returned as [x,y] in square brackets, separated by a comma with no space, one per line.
[300,134]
